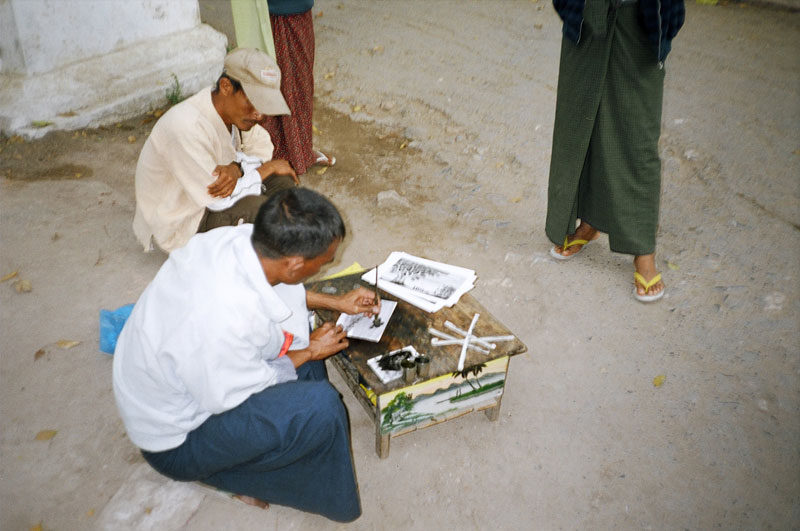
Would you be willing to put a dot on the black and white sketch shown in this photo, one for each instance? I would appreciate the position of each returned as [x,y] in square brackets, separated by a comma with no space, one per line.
[427,284]
[360,326]
[423,278]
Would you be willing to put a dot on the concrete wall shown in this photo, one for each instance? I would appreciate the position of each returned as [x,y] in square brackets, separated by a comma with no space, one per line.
[37,36]
[67,64]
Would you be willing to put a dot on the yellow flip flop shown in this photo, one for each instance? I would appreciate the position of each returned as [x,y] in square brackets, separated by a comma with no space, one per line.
[637,277]
[567,244]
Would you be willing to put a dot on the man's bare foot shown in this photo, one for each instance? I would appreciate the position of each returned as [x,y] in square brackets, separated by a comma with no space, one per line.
[249,500]
[583,232]
[645,265]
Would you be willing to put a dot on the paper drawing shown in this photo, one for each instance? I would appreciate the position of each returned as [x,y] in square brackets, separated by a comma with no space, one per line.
[360,326]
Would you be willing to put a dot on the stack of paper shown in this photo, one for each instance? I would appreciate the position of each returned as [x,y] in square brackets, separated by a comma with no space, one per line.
[424,283]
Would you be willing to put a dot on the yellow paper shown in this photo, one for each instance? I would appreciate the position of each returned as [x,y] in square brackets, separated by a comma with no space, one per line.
[355,267]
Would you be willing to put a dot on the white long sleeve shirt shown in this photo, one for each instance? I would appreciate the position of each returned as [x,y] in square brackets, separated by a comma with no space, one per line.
[248,184]
[204,336]
[175,168]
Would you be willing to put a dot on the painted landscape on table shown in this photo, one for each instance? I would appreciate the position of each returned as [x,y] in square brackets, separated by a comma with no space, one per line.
[440,397]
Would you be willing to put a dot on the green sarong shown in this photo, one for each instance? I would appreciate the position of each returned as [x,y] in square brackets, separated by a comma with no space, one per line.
[605,168]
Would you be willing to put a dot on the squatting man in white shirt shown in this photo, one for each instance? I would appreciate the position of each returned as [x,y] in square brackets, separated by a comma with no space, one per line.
[217,377]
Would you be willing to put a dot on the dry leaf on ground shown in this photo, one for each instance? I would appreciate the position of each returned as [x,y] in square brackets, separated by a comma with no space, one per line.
[659,380]
[10,276]
[67,343]
[39,353]
[23,286]
[46,435]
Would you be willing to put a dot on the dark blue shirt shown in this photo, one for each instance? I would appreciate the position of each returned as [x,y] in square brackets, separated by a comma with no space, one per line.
[289,7]
[660,19]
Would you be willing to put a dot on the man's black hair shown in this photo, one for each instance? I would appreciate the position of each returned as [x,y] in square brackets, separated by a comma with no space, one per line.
[234,83]
[296,222]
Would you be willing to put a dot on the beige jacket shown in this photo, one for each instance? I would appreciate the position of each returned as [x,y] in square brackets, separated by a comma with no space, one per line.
[175,165]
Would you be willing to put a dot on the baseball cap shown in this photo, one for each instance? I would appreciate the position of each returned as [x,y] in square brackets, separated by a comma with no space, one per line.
[260,77]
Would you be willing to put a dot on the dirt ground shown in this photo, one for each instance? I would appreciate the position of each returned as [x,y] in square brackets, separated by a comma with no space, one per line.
[450,105]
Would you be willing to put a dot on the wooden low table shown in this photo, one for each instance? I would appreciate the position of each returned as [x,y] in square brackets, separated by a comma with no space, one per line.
[398,408]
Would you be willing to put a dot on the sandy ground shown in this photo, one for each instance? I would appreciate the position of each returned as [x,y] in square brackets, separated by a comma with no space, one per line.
[450,105]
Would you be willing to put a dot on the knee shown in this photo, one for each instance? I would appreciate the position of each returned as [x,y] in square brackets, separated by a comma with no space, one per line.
[327,398]
[313,370]
[329,413]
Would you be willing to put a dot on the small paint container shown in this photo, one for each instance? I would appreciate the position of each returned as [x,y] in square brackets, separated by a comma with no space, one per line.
[423,366]
[409,370]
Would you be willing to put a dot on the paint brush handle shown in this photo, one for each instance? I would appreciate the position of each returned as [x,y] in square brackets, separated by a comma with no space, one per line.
[479,340]
[376,286]
[466,342]
[445,342]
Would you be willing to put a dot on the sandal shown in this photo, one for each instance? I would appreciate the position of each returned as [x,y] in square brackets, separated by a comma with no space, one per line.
[646,285]
[567,244]
[322,159]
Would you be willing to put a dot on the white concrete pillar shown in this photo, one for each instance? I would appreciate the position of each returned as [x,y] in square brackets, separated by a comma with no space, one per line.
[79,63]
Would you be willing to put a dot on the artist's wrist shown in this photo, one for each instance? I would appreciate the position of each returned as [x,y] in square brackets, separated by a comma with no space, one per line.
[323,301]
[334,302]
[299,357]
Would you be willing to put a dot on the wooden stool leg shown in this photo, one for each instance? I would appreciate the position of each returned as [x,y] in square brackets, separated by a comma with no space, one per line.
[382,444]
[493,413]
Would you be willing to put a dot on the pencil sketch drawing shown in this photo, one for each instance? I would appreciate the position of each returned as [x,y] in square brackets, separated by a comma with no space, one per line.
[422,278]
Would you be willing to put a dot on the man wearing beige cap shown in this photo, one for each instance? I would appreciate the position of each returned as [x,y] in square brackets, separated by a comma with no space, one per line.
[207,163]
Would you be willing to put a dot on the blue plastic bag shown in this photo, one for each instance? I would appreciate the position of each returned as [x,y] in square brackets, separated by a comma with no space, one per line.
[111,323]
